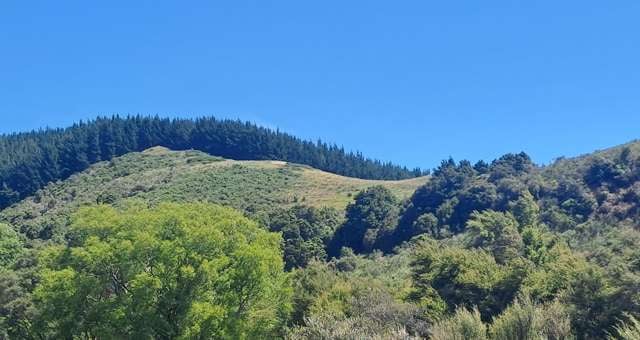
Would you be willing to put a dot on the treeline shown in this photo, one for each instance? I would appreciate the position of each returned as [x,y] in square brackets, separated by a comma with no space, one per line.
[28,161]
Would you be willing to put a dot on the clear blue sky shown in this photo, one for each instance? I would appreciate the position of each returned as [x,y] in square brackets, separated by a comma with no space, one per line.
[408,81]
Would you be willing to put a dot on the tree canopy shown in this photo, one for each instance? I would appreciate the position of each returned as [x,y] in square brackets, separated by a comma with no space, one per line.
[175,271]
[370,221]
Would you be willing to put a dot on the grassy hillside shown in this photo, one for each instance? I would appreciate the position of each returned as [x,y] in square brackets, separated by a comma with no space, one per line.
[159,174]
[29,161]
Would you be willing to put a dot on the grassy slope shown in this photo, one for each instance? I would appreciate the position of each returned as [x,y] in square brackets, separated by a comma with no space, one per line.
[159,174]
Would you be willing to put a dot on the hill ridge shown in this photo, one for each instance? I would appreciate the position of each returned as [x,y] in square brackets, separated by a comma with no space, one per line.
[29,161]
[159,174]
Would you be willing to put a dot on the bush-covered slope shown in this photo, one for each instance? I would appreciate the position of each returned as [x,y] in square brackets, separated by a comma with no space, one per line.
[603,187]
[29,161]
[160,175]
[500,250]
[508,249]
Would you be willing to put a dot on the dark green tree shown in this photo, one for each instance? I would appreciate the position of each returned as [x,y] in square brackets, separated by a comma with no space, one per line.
[306,232]
[370,221]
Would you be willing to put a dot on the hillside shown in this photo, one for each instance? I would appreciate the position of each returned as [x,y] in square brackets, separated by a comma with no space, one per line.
[31,160]
[579,165]
[160,175]
[471,247]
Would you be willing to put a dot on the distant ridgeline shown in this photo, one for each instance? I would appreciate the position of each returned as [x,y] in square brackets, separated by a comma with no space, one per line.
[28,161]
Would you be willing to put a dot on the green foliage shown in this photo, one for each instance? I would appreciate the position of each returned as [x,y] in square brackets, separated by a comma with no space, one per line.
[562,195]
[330,327]
[175,271]
[511,165]
[524,320]
[366,299]
[354,308]
[308,284]
[160,175]
[10,245]
[536,244]
[457,190]
[16,307]
[526,210]
[306,232]
[563,238]
[462,277]
[370,221]
[497,233]
[463,325]
[629,330]
[592,304]
[427,224]
[555,275]
[28,161]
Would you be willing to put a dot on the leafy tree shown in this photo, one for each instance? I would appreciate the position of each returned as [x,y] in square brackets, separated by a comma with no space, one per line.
[308,284]
[16,307]
[463,277]
[456,190]
[175,271]
[526,211]
[441,193]
[536,243]
[370,221]
[10,245]
[593,308]
[306,232]
[427,224]
[575,200]
[603,171]
[495,232]
[479,195]
[11,303]
[511,165]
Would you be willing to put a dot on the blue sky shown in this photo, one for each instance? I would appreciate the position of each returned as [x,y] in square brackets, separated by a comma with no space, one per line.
[408,81]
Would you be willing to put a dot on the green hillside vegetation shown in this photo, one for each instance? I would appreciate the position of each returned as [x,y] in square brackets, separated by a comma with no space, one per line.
[31,160]
[500,250]
[175,271]
[160,175]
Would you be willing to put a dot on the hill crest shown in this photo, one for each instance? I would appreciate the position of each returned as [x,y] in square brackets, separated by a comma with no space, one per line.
[160,174]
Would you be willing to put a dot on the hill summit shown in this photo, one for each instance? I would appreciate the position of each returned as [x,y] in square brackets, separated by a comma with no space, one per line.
[159,174]
[29,161]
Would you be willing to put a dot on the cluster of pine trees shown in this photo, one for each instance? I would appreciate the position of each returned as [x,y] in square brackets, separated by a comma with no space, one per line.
[28,161]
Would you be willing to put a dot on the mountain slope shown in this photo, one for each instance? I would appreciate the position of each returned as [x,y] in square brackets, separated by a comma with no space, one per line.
[159,174]
[578,166]
[29,161]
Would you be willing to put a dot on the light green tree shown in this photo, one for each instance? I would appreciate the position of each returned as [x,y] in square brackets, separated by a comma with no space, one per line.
[462,277]
[10,245]
[526,211]
[191,271]
[496,232]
